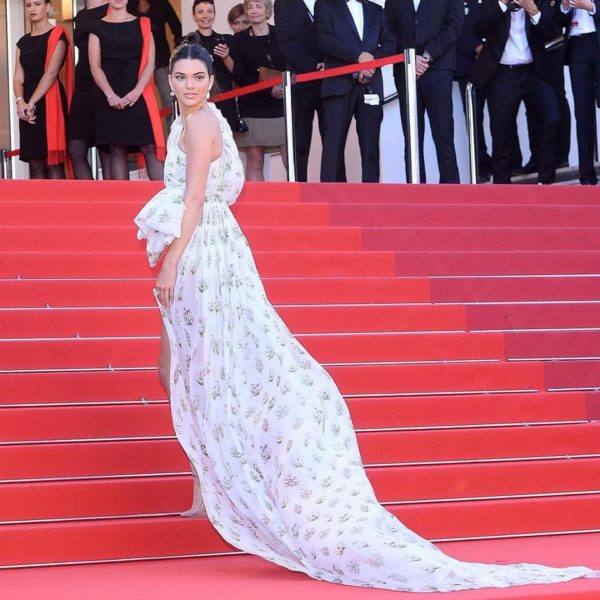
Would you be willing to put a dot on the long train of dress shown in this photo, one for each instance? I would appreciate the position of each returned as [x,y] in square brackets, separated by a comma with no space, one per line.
[265,426]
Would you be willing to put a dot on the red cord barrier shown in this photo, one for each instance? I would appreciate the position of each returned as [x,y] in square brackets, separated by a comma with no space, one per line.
[269,83]
[312,76]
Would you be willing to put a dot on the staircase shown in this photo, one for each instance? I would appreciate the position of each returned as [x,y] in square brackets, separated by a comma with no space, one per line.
[462,324]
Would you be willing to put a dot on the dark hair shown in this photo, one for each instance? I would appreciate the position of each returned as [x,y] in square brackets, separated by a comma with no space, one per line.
[191,47]
[235,12]
[196,2]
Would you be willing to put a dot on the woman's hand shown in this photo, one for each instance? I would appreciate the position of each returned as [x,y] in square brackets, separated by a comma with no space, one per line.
[22,110]
[165,284]
[222,50]
[277,92]
[131,98]
[115,101]
[30,112]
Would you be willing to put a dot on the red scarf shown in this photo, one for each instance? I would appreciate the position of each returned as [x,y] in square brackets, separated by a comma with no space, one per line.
[149,95]
[56,133]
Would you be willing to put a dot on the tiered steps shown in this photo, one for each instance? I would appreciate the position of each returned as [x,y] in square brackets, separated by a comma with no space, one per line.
[445,317]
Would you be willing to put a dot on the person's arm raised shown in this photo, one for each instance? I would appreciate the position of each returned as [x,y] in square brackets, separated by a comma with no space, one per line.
[201,133]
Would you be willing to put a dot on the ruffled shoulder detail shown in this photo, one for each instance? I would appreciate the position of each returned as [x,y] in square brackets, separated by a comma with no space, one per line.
[159,222]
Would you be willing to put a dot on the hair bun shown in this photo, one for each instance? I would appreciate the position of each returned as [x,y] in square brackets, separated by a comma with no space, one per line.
[191,47]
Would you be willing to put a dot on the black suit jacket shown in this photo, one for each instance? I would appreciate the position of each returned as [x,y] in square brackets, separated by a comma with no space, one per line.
[493,24]
[297,36]
[435,27]
[341,44]
[468,40]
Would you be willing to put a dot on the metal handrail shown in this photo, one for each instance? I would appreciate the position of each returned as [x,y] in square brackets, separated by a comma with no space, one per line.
[470,103]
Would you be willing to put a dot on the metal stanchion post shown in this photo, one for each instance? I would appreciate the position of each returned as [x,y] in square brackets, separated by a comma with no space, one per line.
[174,109]
[412,119]
[3,164]
[94,160]
[289,125]
[472,131]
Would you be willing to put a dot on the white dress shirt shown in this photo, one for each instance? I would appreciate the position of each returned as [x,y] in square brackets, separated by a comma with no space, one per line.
[356,10]
[417,2]
[310,4]
[517,50]
[582,21]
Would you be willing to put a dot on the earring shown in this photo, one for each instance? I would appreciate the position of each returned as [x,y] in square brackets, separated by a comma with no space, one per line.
[171,93]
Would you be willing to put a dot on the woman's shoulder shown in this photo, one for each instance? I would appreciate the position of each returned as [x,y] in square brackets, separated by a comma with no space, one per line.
[241,36]
[202,122]
[202,125]
[23,40]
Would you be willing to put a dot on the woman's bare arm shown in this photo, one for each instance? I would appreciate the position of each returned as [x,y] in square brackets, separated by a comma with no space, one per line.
[100,79]
[19,87]
[202,134]
[145,77]
[50,74]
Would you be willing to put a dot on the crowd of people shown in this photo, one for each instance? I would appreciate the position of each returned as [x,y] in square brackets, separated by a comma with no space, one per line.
[513,51]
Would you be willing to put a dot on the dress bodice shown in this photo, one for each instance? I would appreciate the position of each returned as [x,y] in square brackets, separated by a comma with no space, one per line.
[226,174]
[160,220]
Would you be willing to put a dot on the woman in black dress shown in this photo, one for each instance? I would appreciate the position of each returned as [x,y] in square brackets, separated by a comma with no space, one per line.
[39,58]
[218,46]
[81,129]
[263,111]
[121,53]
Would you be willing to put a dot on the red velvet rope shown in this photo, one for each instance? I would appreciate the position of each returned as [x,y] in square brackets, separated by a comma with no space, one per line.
[312,76]
[269,83]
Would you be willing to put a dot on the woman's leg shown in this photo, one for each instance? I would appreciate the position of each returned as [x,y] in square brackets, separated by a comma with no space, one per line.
[255,163]
[154,167]
[37,169]
[118,162]
[197,509]
[104,155]
[164,361]
[78,151]
[283,150]
[164,375]
[55,171]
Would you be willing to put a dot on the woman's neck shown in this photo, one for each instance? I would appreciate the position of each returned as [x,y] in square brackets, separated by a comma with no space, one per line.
[40,27]
[186,111]
[205,32]
[117,15]
[260,28]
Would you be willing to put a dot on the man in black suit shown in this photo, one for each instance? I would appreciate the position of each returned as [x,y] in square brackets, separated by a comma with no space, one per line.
[511,64]
[297,37]
[581,19]
[432,27]
[352,31]
[468,48]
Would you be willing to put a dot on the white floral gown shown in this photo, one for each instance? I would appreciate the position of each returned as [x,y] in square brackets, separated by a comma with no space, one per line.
[264,424]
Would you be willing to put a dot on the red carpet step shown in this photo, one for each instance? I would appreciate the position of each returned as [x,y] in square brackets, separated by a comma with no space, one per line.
[462,328]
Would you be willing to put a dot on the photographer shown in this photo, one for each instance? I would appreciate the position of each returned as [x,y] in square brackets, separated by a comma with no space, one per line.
[512,64]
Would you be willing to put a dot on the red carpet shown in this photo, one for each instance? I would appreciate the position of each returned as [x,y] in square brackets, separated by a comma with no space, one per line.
[462,328]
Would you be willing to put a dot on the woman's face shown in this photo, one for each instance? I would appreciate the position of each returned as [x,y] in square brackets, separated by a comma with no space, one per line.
[204,15]
[256,12]
[37,10]
[191,82]
[240,24]
[117,4]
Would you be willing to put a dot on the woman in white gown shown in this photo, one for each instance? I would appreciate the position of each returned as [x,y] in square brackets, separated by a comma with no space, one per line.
[266,430]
